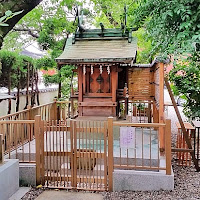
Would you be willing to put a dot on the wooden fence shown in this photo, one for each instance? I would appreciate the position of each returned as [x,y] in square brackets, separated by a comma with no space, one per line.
[83,154]
[74,155]
[139,147]
[18,139]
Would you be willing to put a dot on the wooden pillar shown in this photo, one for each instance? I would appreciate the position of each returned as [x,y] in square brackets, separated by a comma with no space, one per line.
[1,148]
[39,140]
[161,105]
[168,146]
[80,89]
[114,83]
[29,114]
[53,110]
[149,112]
[110,154]
[155,114]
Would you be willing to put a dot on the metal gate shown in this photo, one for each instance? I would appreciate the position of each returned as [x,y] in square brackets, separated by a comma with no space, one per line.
[73,155]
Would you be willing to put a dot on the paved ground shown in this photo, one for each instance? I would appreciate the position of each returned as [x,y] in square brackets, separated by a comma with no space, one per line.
[65,195]
[20,193]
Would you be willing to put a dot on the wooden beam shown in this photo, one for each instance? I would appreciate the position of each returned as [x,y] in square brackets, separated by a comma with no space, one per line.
[168,152]
[101,104]
[114,83]
[37,141]
[185,135]
[153,125]
[182,150]
[80,89]
[161,105]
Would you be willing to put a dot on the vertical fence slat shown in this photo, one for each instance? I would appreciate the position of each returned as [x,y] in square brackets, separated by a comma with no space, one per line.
[168,146]
[1,148]
[42,151]
[72,152]
[110,153]
[75,155]
[37,141]
[105,155]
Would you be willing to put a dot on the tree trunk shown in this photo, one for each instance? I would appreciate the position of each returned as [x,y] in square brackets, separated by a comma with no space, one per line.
[14,6]
[27,87]
[9,90]
[36,88]
[18,90]
[32,87]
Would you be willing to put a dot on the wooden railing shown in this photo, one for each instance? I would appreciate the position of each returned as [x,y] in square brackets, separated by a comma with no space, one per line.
[18,139]
[47,112]
[56,110]
[138,147]
[137,111]
[67,109]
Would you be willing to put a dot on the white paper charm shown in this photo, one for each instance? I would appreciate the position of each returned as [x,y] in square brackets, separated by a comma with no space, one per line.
[127,137]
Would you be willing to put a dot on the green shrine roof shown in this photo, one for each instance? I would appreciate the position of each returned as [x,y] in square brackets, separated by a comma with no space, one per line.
[99,46]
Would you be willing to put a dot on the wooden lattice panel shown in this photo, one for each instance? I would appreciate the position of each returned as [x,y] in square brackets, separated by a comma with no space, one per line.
[140,83]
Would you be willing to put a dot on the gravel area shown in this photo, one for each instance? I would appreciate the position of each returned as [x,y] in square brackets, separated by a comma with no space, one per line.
[187,186]
[33,193]
[187,180]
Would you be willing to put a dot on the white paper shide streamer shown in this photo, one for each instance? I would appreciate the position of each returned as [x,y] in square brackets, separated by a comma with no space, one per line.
[84,69]
[101,69]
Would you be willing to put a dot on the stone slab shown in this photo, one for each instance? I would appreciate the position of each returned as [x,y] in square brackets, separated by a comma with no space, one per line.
[142,180]
[65,195]
[9,178]
[27,174]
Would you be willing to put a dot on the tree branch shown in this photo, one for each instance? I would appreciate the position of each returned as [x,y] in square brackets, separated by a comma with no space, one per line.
[14,6]
[109,16]
[30,32]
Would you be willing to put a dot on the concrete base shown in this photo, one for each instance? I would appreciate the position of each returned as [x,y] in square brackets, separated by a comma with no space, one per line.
[142,180]
[9,178]
[27,174]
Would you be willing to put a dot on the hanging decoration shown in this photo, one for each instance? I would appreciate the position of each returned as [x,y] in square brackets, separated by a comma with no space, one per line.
[84,69]
[101,69]
[108,69]
[92,70]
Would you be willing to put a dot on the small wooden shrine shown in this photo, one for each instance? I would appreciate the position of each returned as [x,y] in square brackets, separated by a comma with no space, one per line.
[102,57]
[107,74]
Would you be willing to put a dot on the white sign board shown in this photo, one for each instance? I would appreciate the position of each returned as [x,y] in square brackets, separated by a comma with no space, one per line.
[127,137]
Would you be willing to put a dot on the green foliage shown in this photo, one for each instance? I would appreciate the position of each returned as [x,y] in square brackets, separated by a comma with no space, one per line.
[8,15]
[13,67]
[173,26]
[45,63]
[186,78]
[111,14]
[144,46]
